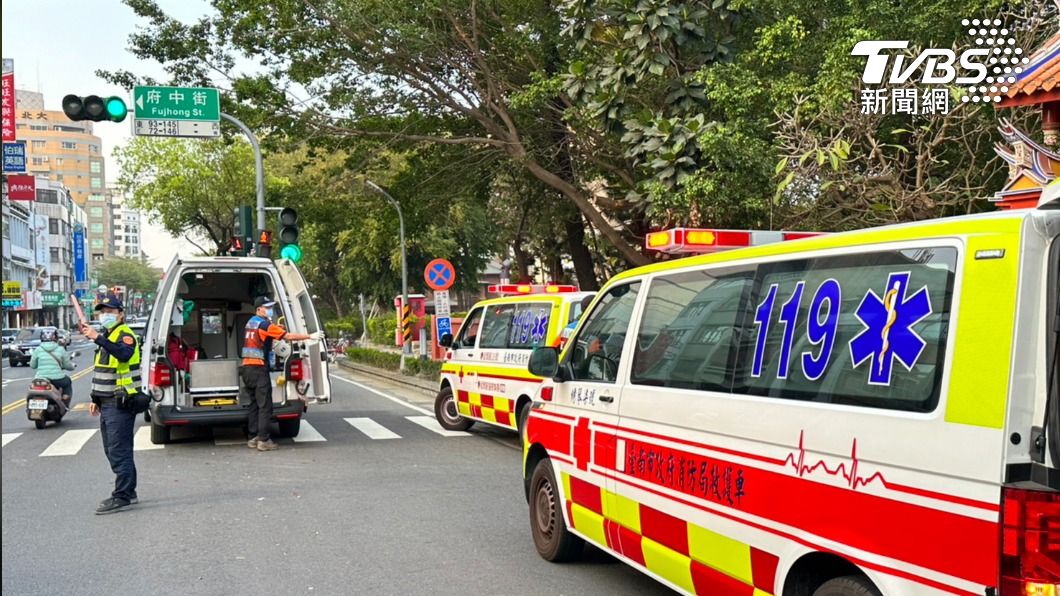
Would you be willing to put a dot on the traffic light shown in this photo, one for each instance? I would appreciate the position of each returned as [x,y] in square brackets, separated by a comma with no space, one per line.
[95,108]
[244,228]
[289,247]
[265,244]
[235,246]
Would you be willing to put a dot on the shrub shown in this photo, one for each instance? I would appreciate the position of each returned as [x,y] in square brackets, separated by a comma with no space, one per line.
[381,330]
[376,358]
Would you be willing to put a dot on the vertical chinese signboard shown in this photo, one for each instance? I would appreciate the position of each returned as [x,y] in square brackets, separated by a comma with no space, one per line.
[80,268]
[9,100]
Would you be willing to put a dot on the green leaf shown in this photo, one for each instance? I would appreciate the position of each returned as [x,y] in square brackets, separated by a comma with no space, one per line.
[826,185]
[577,68]
[820,157]
[780,166]
[835,161]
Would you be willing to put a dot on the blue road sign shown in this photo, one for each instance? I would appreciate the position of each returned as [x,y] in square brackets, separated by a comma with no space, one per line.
[445,325]
[15,156]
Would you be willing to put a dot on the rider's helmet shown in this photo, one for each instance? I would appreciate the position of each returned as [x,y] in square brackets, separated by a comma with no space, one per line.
[48,335]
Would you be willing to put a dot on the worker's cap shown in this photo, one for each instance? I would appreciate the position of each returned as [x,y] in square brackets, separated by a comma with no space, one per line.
[111,301]
[263,301]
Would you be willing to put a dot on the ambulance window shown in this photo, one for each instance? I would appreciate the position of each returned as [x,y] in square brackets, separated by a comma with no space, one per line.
[529,325]
[597,349]
[688,333]
[862,329]
[496,324]
[469,330]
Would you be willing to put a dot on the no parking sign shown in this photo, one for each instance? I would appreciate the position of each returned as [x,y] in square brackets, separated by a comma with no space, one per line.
[440,275]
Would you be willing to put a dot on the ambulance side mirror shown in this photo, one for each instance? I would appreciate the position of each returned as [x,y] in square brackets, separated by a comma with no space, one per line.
[446,340]
[544,362]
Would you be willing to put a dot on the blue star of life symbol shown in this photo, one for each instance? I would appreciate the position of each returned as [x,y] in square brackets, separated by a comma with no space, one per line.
[540,327]
[888,332]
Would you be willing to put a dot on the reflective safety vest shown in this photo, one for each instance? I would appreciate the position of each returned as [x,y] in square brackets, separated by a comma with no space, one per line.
[109,373]
[254,346]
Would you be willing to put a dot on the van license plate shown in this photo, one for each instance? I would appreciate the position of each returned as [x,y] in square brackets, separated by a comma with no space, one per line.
[38,404]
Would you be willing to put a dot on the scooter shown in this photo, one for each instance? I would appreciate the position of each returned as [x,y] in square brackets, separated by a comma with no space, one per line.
[44,402]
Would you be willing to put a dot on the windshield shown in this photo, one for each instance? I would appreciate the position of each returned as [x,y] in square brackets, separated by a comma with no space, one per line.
[28,334]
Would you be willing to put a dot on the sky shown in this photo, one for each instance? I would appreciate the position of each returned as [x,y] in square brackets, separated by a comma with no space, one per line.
[58,45]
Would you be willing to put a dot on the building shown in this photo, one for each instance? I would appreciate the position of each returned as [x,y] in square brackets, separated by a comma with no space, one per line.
[56,209]
[67,152]
[126,227]
[1032,164]
[20,300]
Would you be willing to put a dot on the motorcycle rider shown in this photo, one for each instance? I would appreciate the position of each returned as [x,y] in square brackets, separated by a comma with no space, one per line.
[50,359]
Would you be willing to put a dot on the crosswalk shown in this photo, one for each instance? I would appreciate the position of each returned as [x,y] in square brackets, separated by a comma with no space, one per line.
[72,441]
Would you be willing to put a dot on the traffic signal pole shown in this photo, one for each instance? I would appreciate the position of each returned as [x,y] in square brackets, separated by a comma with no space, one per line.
[406,347]
[258,164]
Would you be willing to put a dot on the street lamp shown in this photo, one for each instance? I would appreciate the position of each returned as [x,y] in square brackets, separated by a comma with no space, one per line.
[406,347]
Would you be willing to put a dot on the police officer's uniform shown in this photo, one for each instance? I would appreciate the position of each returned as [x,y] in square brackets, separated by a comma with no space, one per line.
[117,366]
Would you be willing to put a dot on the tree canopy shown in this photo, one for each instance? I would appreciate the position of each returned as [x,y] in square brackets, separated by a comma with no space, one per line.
[131,273]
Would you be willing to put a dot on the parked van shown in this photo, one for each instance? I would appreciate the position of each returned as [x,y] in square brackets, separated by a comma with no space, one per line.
[195,335]
[873,412]
[484,378]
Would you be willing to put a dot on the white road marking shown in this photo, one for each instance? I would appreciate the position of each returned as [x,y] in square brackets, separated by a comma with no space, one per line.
[308,434]
[8,437]
[372,429]
[142,439]
[384,395]
[432,425]
[69,443]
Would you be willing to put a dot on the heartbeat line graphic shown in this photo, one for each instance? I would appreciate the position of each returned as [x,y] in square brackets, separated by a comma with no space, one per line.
[798,461]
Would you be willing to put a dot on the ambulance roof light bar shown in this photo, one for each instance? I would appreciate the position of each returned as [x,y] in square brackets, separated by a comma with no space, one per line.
[699,240]
[526,289]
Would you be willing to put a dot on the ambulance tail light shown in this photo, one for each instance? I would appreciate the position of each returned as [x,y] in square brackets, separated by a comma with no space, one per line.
[1030,542]
[296,370]
[546,393]
[160,375]
[699,240]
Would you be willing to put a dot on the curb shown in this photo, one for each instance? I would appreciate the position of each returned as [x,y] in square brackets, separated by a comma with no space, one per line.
[418,383]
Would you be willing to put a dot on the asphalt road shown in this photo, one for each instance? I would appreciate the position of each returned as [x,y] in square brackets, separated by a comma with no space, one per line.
[416,513]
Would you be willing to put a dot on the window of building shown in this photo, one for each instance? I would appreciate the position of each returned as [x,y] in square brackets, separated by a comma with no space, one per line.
[93,148]
[59,161]
[96,228]
[36,161]
[54,253]
[38,127]
[69,145]
[95,211]
[53,226]
[97,243]
[45,195]
[58,177]
[97,182]
[37,144]
[95,197]
[57,283]
[95,167]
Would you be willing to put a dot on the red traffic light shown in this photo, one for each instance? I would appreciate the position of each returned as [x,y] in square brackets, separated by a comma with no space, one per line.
[265,237]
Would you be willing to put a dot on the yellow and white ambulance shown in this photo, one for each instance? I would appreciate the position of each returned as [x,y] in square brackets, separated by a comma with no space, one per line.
[484,377]
[872,412]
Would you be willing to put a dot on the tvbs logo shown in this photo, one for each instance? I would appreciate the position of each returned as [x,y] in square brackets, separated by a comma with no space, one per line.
[994,60]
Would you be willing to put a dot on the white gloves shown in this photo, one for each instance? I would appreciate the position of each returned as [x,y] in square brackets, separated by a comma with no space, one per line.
[316,335]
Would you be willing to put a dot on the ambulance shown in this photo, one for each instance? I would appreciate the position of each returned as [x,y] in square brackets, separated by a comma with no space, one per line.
[484,377]
[872,412]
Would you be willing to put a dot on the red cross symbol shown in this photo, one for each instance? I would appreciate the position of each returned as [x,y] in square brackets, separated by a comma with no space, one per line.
[460,372]
[583,443]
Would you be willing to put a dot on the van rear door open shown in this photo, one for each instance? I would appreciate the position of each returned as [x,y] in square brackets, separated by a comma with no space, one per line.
[305,314]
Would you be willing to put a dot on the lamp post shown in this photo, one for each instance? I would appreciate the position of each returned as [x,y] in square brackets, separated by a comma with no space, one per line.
[406,347]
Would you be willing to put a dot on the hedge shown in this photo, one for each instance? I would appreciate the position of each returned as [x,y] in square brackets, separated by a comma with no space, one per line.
[428,369]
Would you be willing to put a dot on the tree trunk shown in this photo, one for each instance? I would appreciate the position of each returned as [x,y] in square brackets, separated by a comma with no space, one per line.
[522,262]
[579,253]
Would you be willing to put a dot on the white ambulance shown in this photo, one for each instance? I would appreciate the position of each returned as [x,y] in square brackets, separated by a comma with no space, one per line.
[192,350]
[484,377]
[873,412]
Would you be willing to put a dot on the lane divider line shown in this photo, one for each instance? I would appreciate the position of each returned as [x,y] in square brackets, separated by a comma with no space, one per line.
[15,405]
[384,395]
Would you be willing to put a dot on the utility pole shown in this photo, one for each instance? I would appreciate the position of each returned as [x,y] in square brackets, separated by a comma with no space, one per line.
[259,166]
[406,334]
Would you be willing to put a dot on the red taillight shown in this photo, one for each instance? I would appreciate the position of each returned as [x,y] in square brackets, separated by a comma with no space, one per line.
[296,370]
[1030,542]
[160,375]
[546,393]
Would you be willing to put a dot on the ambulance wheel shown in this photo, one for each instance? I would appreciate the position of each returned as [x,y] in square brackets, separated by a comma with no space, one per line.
[446,412]
[289,428]
[553,541]
[850,585]
[159,434]
[40,424]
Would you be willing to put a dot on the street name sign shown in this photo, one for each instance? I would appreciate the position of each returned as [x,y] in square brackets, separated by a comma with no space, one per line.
[176,112]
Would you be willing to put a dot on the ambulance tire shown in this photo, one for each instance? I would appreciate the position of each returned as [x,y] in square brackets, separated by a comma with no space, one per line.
[159,434]
[521,418]
[446,412]
[553,541]
[850,585]
[289,428]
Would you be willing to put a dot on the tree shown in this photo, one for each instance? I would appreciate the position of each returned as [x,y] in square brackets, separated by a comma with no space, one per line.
[133,274]
[191,186]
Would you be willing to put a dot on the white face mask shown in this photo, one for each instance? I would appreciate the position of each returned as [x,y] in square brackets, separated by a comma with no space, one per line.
[108,319]
[269,313]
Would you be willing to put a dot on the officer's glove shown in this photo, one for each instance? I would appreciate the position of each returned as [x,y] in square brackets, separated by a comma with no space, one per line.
[316,335]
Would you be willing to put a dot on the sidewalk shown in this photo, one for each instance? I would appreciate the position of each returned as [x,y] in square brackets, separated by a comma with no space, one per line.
[414,390]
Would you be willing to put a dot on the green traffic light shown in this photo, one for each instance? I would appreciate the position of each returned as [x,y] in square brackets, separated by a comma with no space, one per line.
[116,109]
[292,252]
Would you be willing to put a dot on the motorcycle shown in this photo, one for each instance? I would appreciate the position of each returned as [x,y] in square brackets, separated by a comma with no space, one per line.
[44,402]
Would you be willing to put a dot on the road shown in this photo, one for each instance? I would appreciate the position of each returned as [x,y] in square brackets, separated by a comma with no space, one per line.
[371,499]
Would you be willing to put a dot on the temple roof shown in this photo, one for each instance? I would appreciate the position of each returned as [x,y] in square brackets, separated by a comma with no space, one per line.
[1040,80]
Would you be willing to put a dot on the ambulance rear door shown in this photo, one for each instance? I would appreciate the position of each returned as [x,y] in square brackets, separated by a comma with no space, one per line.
[301,307]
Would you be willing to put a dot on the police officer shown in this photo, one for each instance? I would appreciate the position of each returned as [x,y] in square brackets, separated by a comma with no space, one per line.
[258,336]
[115,380]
